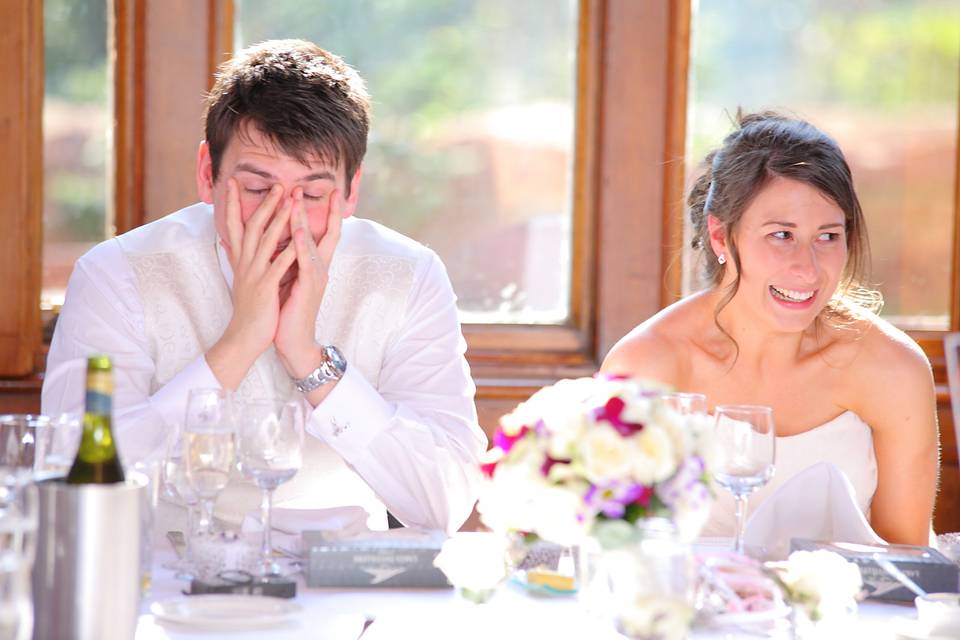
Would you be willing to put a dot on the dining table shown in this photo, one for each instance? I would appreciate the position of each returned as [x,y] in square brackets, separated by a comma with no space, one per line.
[382,613]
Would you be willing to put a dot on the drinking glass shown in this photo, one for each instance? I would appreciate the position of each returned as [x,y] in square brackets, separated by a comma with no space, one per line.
[685,403]
[18,541]
[271,452]
[57,444]
[209,449]
[16,605]
[745,446]
[177,487]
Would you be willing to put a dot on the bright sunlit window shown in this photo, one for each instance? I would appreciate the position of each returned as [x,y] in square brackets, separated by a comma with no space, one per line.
[471,149]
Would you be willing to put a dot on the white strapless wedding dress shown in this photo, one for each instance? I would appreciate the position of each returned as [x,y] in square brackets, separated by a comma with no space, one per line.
[846,441]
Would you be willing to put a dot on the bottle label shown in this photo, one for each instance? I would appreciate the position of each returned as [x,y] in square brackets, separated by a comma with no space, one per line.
[98,404]
[99,399]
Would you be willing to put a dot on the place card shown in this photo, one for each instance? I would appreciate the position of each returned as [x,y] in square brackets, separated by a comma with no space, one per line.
[380,559]
[926,566]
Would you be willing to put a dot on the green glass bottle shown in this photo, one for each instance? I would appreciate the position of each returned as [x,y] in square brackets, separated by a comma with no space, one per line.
[97,461]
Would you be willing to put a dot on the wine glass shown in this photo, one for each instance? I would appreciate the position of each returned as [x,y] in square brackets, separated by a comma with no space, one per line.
[209,449]
[745,446]
[685,403]
[271,452]
[177,486]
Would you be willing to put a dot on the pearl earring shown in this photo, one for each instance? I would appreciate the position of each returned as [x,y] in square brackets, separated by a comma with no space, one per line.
[722,259]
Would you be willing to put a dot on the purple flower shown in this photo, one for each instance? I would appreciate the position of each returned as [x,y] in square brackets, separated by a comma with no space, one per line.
[611,412]
[612,498]
[685,480]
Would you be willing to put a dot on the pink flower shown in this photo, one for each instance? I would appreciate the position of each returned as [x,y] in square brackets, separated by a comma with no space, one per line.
[612,498]
[611,412]
[548,464]
[504,442]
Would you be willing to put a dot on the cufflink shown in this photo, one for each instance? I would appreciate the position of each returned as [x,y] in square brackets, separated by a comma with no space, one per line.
[339,428]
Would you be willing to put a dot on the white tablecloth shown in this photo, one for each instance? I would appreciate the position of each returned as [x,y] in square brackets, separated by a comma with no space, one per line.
[338,614]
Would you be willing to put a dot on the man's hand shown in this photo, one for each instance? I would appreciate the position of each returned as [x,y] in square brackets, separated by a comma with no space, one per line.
[296,332]
[257,273]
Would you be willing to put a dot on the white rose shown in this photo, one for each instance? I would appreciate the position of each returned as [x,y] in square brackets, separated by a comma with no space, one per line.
[606,454]
[506,501]
[557,514]
[473,560]
[637,410]
[822,581]
[652,455]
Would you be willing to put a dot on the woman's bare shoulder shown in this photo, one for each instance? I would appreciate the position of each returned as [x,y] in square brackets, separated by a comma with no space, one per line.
[660,347]
[890,373]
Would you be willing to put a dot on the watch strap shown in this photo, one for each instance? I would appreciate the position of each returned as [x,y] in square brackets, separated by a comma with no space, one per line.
[331,368]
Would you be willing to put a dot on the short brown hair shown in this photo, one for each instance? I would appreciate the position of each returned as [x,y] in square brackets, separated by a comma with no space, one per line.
[305,100]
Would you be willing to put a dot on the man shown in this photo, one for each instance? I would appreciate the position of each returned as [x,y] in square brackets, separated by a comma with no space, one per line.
[269,287]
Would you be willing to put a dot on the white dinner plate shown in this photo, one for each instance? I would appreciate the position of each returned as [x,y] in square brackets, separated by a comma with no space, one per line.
[215,611]
[913,629]
[748,618]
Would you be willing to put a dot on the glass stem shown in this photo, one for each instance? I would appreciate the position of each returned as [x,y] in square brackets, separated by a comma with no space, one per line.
[266,547]
[191,529]
[741,501]
[206,516]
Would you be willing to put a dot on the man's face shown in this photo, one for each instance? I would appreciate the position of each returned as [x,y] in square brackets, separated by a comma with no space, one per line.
[256,164]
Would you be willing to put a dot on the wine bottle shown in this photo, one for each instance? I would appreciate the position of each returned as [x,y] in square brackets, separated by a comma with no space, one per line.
[97,461]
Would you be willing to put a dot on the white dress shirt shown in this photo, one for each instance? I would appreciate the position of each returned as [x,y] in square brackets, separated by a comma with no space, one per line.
[402,418]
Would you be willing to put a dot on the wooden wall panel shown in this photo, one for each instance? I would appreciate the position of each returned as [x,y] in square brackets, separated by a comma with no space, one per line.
[176,53]
[21,188]
[633,138]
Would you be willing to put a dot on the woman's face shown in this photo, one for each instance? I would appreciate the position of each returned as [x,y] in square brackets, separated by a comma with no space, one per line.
[793,249]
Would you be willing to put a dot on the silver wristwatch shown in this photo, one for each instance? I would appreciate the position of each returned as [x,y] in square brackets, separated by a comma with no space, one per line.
[331,369]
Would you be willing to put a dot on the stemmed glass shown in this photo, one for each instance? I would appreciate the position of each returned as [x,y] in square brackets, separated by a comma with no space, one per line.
[684,403]
[745,445]
[177,486]
[209,448]
[271,453]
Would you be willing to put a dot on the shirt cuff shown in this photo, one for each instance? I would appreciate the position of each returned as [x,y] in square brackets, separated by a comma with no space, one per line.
[170,400]
[351,416]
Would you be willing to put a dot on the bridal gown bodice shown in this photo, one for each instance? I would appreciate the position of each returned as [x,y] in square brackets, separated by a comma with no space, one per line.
[846,441]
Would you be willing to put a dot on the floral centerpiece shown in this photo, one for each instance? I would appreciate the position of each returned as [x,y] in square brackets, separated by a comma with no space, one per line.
[596,451]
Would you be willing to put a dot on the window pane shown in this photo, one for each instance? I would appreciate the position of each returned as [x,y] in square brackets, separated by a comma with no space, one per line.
[471,144]
[76,122]
[881,77]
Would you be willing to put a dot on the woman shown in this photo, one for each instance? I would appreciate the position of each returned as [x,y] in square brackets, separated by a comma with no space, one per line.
[783,323]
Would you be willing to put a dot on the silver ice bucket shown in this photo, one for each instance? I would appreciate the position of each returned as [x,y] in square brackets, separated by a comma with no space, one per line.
[87,571]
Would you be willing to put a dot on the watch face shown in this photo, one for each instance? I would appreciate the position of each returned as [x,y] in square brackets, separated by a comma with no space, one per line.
[336,359]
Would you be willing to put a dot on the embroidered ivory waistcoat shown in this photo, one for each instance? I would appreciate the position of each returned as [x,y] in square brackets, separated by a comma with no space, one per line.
[187,306]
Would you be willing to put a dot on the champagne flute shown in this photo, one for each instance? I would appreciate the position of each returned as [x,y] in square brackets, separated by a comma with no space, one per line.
[271,453]
[209,449]
[685,403]
[745,444]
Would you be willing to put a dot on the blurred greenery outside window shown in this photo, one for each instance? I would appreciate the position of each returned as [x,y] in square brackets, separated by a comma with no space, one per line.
[471,146]
[881,77]
[77,125]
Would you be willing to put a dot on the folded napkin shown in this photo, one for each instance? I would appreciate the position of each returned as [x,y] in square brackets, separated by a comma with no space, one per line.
[819,503]
[344,520]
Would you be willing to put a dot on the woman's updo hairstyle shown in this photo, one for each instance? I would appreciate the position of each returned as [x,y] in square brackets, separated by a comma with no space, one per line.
[762,146]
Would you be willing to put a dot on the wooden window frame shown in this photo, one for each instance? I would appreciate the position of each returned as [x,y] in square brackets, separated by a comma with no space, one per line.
[633,60]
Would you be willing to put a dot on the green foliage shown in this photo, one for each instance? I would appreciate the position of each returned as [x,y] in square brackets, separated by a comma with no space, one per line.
[81,201]
[888,55]
[75,49]
[427,64]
